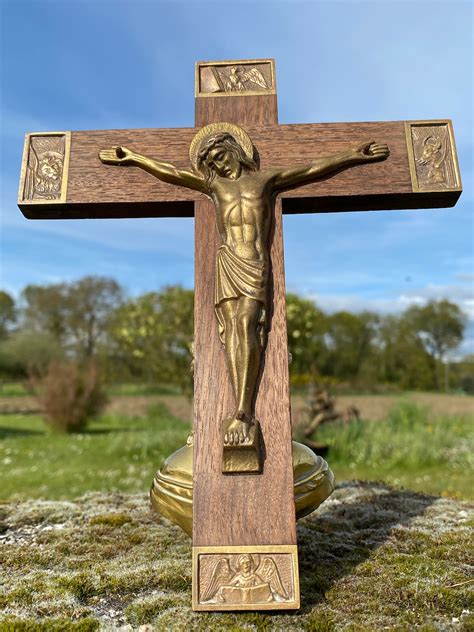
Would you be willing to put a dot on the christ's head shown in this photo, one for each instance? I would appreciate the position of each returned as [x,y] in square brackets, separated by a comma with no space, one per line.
[221,155]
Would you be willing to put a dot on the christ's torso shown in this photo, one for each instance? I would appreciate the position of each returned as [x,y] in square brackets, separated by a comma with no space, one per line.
[243,213]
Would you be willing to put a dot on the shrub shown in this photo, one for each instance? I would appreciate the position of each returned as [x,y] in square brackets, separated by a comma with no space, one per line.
[69,395]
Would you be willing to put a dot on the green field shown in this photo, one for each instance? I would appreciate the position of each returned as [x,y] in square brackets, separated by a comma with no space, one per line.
[409,449]
[114,454]
[18,389]
[12,389]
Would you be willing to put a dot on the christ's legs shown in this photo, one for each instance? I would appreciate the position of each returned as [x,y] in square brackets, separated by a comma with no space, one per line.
[248,353]
[228,310]
[243,353]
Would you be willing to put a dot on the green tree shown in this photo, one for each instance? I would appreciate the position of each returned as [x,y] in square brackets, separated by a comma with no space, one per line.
[75,315]
[351,343]
[306,329]
[439,328]
[402,359]
[45,310]
[7,313]
[89,305]
[26,352]
[462,373]
[153,334]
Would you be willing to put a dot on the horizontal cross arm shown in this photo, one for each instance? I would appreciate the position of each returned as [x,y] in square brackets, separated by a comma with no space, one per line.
[90,189]
[421,171]
[63,177]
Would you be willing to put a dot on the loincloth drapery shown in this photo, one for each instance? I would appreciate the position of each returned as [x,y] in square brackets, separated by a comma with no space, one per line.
[237,277]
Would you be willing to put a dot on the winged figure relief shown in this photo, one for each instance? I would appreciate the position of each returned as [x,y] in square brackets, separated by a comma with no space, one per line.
[251,581]
[31,171]
[239,79]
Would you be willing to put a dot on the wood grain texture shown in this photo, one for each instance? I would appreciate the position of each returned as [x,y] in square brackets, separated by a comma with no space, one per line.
[246,111]
[246,509]
[100,191]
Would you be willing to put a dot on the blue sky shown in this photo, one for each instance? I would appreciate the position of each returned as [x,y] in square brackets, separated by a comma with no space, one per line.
[96,64]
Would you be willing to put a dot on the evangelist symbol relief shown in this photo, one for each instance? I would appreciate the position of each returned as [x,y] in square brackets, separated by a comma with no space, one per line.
[235,77]
[44,167]
[238,79]
[245,579]
[434,157]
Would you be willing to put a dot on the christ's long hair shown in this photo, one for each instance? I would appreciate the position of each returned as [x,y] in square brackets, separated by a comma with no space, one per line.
[227,141]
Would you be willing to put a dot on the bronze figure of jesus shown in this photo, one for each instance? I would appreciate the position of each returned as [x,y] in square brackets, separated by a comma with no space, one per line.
[226,171]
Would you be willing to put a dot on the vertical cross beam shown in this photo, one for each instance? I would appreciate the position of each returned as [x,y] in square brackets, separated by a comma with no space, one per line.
[240,513]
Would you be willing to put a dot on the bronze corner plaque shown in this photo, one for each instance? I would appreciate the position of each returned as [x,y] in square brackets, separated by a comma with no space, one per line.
[44,168]
[245,578]
[235,78]
[432,156]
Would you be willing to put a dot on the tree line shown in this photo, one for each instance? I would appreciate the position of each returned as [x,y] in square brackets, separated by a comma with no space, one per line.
[149,338]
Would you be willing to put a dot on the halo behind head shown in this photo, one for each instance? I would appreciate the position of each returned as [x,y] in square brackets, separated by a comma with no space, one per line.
[237,132]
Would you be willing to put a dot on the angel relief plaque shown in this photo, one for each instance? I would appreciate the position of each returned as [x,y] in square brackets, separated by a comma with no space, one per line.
[261,576]
[236,77]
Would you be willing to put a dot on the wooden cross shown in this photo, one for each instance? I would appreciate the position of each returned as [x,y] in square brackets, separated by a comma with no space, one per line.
[240,518]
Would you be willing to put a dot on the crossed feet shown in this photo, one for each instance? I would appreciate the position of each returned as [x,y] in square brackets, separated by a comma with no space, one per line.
[239,431]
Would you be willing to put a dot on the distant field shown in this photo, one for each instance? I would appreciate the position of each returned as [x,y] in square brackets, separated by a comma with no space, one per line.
[134,401]
[377,407]
[372,407]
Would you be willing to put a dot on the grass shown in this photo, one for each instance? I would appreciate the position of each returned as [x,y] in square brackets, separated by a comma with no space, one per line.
[115,453]
[133,390]
[409,449]
[18,389]
[12,389]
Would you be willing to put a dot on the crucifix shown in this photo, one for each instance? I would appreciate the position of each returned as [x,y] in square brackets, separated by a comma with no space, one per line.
[236,172]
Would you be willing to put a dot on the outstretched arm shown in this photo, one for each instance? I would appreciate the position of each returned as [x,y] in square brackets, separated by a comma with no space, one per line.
[298,176]
[122,156]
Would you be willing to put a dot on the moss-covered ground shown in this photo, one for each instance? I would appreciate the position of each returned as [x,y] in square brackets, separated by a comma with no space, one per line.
[371,558]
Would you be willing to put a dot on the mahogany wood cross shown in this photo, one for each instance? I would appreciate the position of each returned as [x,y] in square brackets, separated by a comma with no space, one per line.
[63,178]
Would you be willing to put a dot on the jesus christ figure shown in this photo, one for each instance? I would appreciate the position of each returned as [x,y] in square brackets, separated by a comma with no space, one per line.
[225,170]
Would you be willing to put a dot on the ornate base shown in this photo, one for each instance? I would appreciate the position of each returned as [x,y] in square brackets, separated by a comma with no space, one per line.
[172,489]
